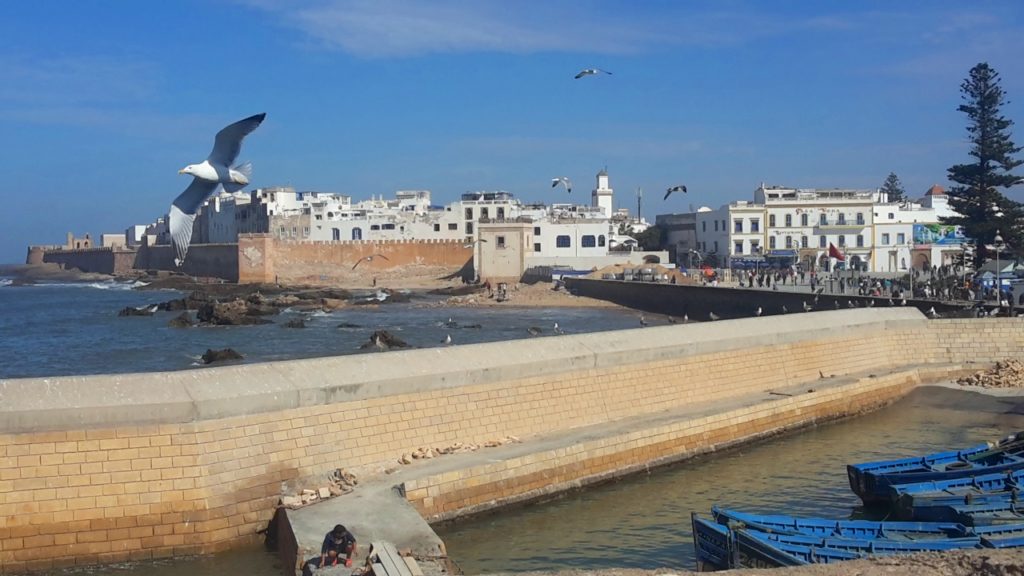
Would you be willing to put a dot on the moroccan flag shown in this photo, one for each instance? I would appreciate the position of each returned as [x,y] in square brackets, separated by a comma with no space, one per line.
[834,252]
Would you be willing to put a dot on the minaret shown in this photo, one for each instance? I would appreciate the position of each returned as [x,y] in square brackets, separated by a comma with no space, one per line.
[601,197]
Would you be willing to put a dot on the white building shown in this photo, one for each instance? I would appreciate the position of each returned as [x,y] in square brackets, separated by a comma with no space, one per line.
[910,234]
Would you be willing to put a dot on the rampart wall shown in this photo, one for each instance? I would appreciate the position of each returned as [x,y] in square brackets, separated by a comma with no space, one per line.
[137,466]
[263,258]
[208,260]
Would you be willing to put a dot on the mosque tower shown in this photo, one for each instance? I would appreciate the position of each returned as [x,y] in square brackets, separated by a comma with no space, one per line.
[601,197]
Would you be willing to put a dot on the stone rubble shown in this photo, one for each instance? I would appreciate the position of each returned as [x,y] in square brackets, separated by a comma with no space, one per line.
[1005,374]
[339,482]
[454,448]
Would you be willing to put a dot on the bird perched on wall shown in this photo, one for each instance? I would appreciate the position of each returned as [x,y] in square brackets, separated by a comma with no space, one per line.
[807,307]
[590,72]
[903,302]
[784,309]
[447,340]
[557,329]
[712,316]
[932,313]
[836,304]
[670,319]
[565,182]
[533,331]
[891,303]
[686,319]
[850,304]
[643,321]
[207,176]
[758,311]
[679,188]
[871,303]
[369,259]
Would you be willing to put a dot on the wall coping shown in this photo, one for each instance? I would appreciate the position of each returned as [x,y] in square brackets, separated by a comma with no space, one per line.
[183,396]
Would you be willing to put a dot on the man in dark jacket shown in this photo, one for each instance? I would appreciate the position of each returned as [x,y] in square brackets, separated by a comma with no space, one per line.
[337,542]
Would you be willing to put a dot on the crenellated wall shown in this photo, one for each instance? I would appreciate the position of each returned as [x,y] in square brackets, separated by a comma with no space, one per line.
[98,469]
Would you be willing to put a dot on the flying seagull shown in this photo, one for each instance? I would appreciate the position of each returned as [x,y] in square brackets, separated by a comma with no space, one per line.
[207,175]
[679,188]
[564,182]
[369,259]
[470,245]
[590,72]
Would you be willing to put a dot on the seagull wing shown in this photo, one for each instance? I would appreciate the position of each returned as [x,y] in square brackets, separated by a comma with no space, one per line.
[382,257]
[357,262]
[582,73]
[667,194]
[228,142]
[183,214]
[554,182]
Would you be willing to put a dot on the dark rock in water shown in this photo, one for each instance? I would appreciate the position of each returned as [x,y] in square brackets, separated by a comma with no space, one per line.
[348,325]
[384,340]
[173,305]
[22,282]
[457,290]
[234,313]
[332,293]
[295,323]
[181,321]
[396,297]
[473,326]
[140,311]
[212,355]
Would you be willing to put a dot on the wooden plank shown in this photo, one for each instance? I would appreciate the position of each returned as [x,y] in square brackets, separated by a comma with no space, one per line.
[378,569]
[388,556]
[414,567]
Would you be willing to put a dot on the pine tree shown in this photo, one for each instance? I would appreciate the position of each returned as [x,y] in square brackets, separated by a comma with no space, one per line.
[982,208]
[894,188]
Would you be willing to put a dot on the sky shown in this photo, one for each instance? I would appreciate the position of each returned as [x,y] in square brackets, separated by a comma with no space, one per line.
[102,102]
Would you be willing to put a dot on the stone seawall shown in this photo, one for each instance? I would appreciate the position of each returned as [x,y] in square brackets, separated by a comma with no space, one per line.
[136,466]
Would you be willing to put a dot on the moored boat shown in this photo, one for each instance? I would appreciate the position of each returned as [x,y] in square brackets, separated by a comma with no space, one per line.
[872,480]
[823,527]
[928,501]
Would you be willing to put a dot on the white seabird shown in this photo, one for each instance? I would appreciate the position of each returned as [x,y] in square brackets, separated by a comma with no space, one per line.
[369,259]
[207,176]
[590,72]
[564,182]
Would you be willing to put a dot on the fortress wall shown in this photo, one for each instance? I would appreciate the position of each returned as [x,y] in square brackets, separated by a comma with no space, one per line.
[264,258]
[110,468]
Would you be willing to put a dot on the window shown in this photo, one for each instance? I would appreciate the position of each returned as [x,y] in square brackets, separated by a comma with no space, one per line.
[499,242]
[771,242]
[319,216]
[501,213]
[388,227]
[374,226]
[716,225]
[305,231]
[803,241]
[600,241]
[822,242]
[295,231]
[469,228]
[842,218]
[536,246]
[901,239]
[484,213]
[737,248]
[789,242]
[789,220]
[737,225]
[588,241]
[771,220]
[885,239]
[563,241]
[437,227]
[822,219]
[860,218]
[281,233]
[704,226]
[755,247]
[453,226]
[536,230]
[335,234]
[357,233]
[842,240]
[803,219]
[755,225]
[891,216]
[860,241]
[469,213]
[716,246]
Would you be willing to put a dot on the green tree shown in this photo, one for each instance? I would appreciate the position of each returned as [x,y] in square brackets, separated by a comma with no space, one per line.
[650,239]
[981,207]
[894,188]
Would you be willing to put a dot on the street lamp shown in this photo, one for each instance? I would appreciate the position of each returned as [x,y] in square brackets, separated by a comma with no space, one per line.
[998,243]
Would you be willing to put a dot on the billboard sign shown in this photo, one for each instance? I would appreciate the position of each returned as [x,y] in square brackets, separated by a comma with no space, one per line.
[941,234]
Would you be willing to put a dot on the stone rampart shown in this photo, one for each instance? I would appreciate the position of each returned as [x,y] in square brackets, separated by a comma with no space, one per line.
[263,259]
[135,466]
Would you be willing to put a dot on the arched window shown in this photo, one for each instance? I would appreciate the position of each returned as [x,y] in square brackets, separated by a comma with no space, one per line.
[357,233]
[789,220]
[771,220]
[803,219]
[336,234]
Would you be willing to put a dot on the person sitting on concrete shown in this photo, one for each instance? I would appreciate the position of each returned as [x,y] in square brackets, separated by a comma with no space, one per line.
[337,541]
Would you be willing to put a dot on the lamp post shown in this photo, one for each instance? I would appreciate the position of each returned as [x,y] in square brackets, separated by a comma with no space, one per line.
[998,243]
[910,266]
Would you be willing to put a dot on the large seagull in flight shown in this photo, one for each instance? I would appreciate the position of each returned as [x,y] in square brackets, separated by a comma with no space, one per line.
[207,176]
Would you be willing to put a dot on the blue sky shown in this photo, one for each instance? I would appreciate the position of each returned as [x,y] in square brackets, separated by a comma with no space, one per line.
[102,102]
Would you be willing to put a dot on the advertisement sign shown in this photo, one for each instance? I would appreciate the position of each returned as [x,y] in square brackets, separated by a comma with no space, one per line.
[942,234]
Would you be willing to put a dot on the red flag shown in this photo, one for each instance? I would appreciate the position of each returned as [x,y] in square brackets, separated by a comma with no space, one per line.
[834,252]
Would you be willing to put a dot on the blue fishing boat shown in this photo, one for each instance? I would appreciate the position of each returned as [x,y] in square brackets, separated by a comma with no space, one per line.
[856,529]
[712,544]
[871,480]
[928,501]
[975,514]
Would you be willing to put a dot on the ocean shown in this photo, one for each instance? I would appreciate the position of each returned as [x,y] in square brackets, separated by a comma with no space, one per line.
[69,328]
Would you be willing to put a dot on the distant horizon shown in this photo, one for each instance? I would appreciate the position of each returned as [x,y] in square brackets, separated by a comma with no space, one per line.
[365,98]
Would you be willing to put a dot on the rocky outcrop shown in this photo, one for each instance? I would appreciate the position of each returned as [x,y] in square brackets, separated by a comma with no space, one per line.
[295,323]
[222,355]
[234,313]
[182,320]
[140,311]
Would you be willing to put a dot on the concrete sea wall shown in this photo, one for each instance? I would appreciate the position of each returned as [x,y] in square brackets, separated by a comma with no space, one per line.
[137,466]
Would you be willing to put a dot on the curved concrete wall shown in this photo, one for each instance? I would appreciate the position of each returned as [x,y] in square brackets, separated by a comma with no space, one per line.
[108,468]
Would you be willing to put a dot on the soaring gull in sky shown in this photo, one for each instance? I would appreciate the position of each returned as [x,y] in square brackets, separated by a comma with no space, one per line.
[591,72]
[669,192]
[564,182]
[207,176]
